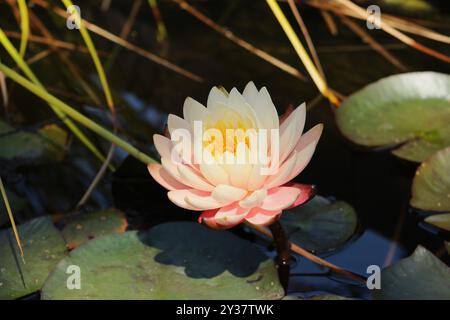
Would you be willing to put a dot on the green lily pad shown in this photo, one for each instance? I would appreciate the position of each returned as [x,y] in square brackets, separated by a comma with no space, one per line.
[431,185]
[86,226]
[320,225]
[409,112]
[46,144]
[421,276]
[178,260]
[43,247]
[440,220]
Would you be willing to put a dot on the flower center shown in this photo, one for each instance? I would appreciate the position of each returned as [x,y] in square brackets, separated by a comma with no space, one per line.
[224,130]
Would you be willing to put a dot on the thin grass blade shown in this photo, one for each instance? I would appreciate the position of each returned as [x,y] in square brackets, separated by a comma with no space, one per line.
[24,26]
[75,115]
[11,216]
[295,41]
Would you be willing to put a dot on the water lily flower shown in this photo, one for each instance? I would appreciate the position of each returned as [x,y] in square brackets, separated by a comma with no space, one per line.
[232,193]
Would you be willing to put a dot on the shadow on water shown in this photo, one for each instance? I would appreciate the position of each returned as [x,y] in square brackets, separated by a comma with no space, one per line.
[202,252]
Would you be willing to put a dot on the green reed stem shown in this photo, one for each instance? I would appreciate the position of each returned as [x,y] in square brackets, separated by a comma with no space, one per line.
[75,115]
[24,26]
[26,69]
[10,214]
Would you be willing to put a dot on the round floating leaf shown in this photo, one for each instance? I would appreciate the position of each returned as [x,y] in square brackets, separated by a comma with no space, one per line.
[83,227]
[180,260]
[431,185]
[320,225]
[43,247]
[440,220]
[44,145]
[410,111]
[421,276]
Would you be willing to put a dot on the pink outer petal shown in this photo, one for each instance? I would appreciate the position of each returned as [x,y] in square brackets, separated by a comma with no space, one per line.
[225,217]
[163,178]
[163,145]
[303,152]
[305,149]
[254,199]
[307,192]
[261,217]
[280,198]
[208,218]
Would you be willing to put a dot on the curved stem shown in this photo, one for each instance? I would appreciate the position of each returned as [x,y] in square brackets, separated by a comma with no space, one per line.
[283,255]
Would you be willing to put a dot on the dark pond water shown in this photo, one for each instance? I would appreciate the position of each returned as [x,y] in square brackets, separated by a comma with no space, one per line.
[377,184]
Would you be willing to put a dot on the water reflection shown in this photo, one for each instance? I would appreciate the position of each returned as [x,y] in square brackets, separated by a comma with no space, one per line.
[369,249]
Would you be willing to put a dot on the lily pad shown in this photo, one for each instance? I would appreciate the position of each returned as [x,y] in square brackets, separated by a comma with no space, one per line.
[43,247]
[421,276]
[178,260]
[409,112]
[320,225]
[440,220]
[86,226]
[46,144]
[431,185]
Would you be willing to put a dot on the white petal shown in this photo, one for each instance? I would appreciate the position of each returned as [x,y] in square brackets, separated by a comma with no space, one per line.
[305,149]
[163,178]
[179,198]
[303,158]
[291,130]
[175,122]
[261,217]
[239,174]
[202,202]
[231,215]
[163,145]
[215,96]
[193,178]
[254,199]
[214,173]
[266,111]
[237,102]
[228,194]
[193,111]
[256,179]
[251,94]
[173,171]
[235,98]
[284,171]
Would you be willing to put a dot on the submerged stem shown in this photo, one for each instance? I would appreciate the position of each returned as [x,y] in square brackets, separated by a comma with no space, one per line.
[283,255]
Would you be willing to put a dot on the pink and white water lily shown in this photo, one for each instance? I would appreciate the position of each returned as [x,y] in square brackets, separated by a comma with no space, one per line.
[229,192]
